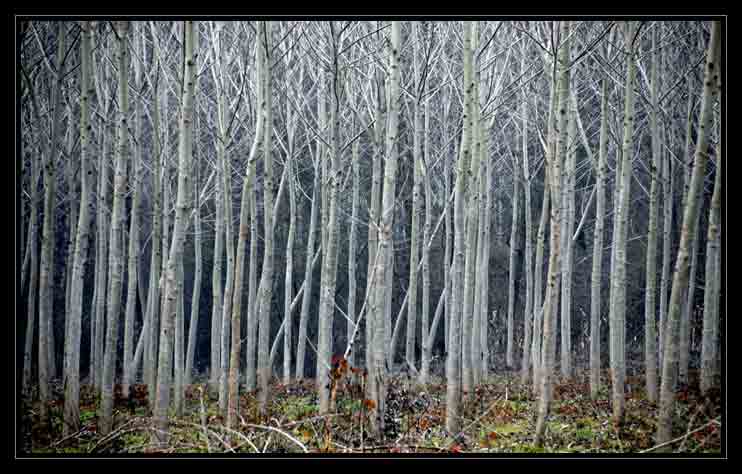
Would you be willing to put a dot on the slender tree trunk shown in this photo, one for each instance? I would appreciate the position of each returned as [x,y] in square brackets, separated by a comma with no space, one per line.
[472,216]
[478,283]
[453,373]
[417,142]
[650,298]
[680,280]
[247,191]
[596,276]
[288,280]
[115,261]
[709,347]
[46,272]
[352,250]
[329,262]
[374,209]
[179,349]
[617,307]
[509,347]
[265,291]
[528,313]
[225,163]
[568,224]
[74,310]
[538,299]
[552,291]
[198,271]
[176,249]
[33,226]
[427,334]
[377,378]
[308,271]
[134,237]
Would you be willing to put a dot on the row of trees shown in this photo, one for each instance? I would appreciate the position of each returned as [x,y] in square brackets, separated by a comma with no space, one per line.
[434,138]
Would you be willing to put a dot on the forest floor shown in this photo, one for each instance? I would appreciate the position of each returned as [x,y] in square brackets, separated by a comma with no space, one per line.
[499,417]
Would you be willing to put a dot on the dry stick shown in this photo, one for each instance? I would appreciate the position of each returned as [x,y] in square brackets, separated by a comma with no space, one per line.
[203,419]
[247,440]
[73,435]
[276,430]
[115,434]
[267,443]
[715,420]
[690,423]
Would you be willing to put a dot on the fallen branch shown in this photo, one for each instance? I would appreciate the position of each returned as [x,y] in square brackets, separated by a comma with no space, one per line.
[203,419]
[283,433]
[714,421]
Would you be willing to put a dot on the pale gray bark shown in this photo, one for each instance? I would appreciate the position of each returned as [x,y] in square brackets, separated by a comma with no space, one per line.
[650,298]
[477,283]
[288,279]
[509,344]
[709,345]
[198,270]
[427,341]
[134,237]
[216,283]
[596,275]
[472,217]
[553,280]
[226,175]
[680,279]
[74,310]
[115,260]
[172,287]
[377,378]
[33,231]
[308,271]
[417,142]
[617,306]
[265,290]
[46,275]
[538,298]
[155,287]
[352,250]
[453,372]
[568,224]
[528,312]
[374,209]
[46,272]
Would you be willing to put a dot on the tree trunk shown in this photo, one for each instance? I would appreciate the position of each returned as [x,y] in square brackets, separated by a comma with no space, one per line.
[650,329]
[374,209]
[568,224]
[552,291]
[352,250]
[115,260]
[617,307]
[247,191]
[453,373]
[265,291]
[709,347]
[528,313]
[472,216]
[377,378]
[134,237]
[198,271]
[596,275]
[74,310]
[680,280]
[176,249]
